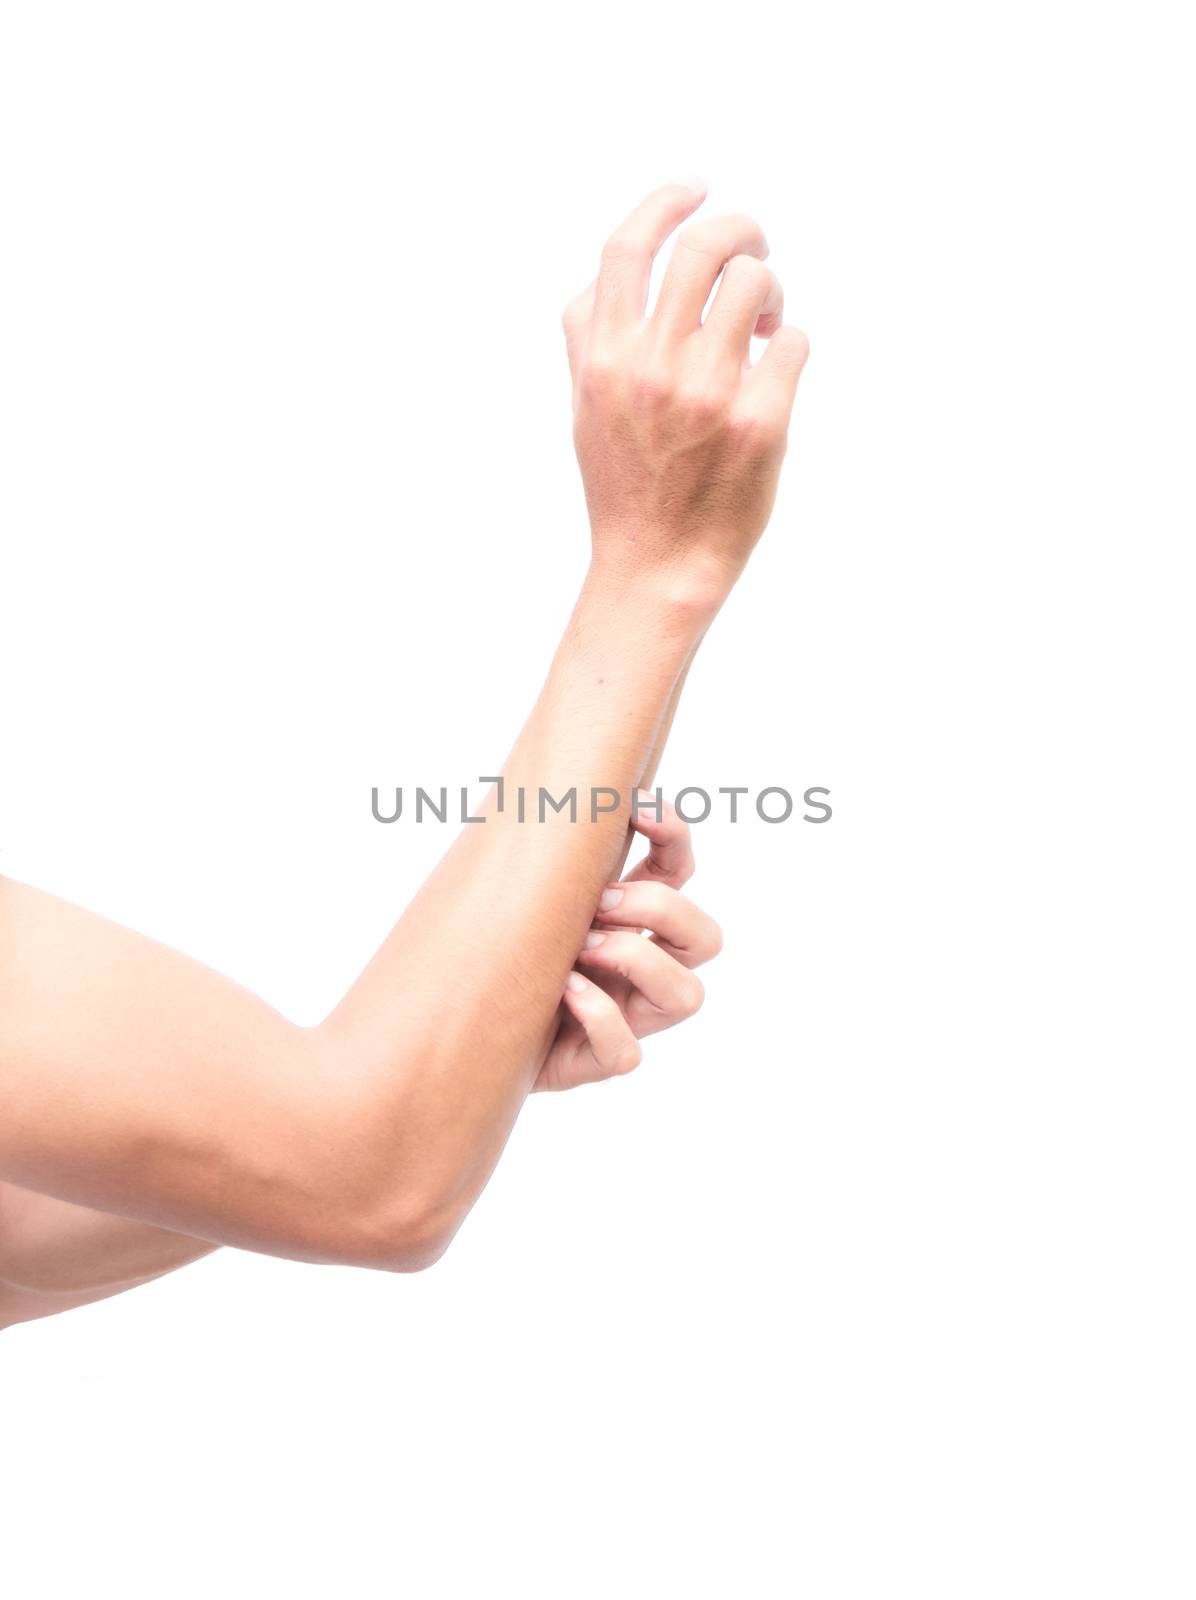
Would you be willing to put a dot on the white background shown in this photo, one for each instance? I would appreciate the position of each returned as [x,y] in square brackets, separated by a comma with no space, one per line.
[876,1279]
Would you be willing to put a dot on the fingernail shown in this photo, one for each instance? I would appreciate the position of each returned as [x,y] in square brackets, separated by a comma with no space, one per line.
[698,185]
[592,939]
[575,981]
[609,899]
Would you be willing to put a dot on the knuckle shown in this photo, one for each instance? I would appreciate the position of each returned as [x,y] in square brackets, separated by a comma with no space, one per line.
[749,274]
[649,904]
[794,339]
[627,952]
[695,238]
[714,941]
[623,245]
[628,1058]
[597,377]
[754,433]
[702,407]
[707,239]
[722,233]
[799,348]
[792,348]
[674,824]
[653,386]
[691,997]
[657,900]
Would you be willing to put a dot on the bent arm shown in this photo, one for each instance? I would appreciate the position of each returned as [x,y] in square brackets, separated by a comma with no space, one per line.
[135,1080]
[55,1256]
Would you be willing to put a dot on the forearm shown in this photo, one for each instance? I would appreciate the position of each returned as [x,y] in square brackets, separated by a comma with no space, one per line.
[482,953]
[648,777]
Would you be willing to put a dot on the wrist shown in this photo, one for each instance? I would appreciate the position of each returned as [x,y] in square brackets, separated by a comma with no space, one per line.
[678,600]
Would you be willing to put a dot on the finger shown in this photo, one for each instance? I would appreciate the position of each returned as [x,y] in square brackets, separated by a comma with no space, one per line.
[702,251]
[576,319]
[627,256]
[612,1043]
[670,857]
[749,300]
[774,377]
[692,936]
[673,990]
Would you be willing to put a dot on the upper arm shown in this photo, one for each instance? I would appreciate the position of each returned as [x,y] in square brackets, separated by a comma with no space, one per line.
[139,1081]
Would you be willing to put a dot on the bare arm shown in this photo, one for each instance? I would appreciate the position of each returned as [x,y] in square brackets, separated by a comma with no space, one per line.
[136,1081]
[55,1256]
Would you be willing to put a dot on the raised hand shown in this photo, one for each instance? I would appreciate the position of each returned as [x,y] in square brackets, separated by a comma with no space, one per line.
[679,438]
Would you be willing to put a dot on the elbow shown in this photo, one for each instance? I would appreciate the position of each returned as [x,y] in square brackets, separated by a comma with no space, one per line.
[405,1232]
[379,1187]
[408,1237]
[414,1240]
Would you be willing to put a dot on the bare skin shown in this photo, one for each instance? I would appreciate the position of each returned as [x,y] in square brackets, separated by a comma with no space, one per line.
[55,1256]
[151,1109]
